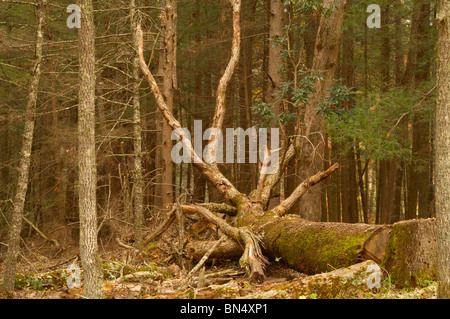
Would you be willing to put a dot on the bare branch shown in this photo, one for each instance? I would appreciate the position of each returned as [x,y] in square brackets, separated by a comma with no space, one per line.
[211,172]
[202,261]
[252,258]
[219,113]
[272,180]
[302,188]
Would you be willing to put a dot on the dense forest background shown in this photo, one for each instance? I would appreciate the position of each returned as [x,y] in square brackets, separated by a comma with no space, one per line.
[379,112]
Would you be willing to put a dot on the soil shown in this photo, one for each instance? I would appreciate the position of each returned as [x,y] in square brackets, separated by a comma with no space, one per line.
[42,274]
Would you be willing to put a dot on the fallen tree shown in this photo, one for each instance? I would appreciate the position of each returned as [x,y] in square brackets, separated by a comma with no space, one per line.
[407,250]
[260,233]
[411,252]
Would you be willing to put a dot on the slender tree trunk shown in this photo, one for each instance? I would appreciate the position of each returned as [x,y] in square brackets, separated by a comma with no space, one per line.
[169,83]
[275,62]
[388,167]
[93,277]
[138,184]
[245,182]
[334,191]
[419,172]
[348,170]
[362,187]
[25,155]
[398,64]
[442,158]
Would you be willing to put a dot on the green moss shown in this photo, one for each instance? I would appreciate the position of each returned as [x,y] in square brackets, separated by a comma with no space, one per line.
[226,292]
[40,281]
[150,247]
[395,259]
[313,250]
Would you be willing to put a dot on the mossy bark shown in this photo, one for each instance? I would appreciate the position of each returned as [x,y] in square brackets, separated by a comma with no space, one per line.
[411,252]
[313,247]
[310,247]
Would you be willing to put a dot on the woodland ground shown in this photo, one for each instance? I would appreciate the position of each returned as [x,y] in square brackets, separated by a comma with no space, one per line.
[42,274]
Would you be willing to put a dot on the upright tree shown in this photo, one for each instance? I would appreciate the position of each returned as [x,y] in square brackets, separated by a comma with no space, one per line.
[25,154]
[442,155]
[138,187]
[168,57]
[310,135]
[87,167]
[419,171]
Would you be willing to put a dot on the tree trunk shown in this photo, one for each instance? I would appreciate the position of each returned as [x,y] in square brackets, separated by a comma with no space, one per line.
[275,62]
[93,277]
[312,146]
[419,172]
[411,252]
[138,184]
[169,83]
[245,182]
[442,151]
[348,168]
[25,155]
[407,249]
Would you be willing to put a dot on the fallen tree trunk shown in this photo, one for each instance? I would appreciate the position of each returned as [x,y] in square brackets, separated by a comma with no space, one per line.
[411,252]
[314,247]
[309,247]
[407,250]
[339,283]
[349,282]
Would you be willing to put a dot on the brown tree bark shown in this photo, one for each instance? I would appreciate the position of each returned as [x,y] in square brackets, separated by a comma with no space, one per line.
[169,84]
[25,155]
[310,142]
[138,184]
[442,151]
[348,165]
[87,168]
[419,172]
[275,62]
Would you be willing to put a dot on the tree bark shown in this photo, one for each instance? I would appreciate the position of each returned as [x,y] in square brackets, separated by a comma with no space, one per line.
[411,252]
[348,168]
[25,156]
[169,83]
[93,277]
[442,151]
[275,62]
[138,185]
[310,141]
[419,172]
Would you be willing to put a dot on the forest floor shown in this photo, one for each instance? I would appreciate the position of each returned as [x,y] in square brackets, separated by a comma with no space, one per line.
[129,275]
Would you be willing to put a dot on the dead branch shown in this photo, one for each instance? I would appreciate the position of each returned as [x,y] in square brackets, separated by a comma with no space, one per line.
[271,181]
[219,113]
[202,261]
[163,227]
[211,172]
[221,208]
[302,188]
[252,259]
[54,241]
[123,245]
